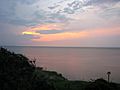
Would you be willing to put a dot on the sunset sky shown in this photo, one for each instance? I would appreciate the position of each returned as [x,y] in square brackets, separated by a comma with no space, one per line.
[81,23]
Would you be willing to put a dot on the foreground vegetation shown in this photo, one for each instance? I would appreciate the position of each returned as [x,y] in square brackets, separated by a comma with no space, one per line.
[17,72]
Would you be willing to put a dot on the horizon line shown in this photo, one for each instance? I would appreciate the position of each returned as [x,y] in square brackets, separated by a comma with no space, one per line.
[57,46]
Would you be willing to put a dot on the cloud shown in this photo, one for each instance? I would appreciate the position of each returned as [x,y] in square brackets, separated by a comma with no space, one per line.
[59,36]
[111,14]
[45,21]
[99,2]
[29,2]
[47,33]
[30,36]
[71,7]
[25,13]
[46,17]
[39,30]
[53,7]
[67,6]
[50,31]
[69,11]
[9,35]
[40,17]
[75,5]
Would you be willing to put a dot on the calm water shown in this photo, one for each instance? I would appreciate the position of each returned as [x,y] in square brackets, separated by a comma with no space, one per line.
[76,63]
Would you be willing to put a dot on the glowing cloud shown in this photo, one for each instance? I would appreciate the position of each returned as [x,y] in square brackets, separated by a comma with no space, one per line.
[34,30]
[30,33]
[68,34]
[51,26]
[58,33]
[60,36]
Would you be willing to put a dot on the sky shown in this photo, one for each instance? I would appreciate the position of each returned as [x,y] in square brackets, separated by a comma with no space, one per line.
[77,23]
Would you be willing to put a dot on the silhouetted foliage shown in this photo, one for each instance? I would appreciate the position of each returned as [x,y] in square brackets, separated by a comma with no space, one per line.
[16,73]
[101,84]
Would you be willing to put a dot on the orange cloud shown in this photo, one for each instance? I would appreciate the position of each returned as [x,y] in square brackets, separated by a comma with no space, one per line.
[57,26]
[33,30]
[81,34]
[60,36]
[68,35]
[104,32]
[30,33]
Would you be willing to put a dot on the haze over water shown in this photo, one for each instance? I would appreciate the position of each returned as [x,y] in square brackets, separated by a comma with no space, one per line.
[76,63]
